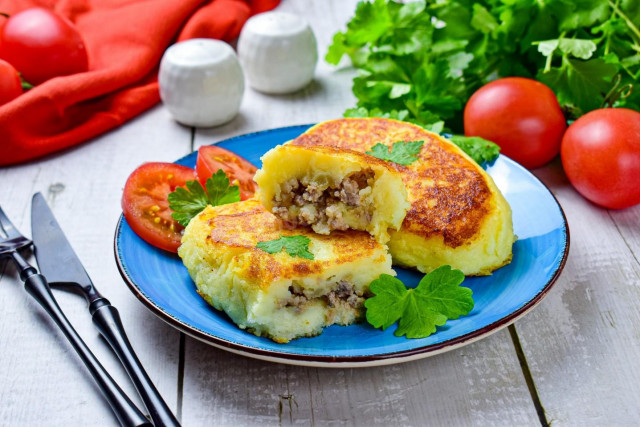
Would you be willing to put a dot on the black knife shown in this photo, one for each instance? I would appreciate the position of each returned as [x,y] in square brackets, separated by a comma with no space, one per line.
[58,262]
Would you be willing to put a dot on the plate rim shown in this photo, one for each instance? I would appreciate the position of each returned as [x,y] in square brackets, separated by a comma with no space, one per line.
[343,361]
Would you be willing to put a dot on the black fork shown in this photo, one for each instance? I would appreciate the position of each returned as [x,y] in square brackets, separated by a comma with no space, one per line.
[11,242]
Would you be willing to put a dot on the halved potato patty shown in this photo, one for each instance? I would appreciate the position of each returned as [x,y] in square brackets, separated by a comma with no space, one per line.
[457,217]
[277,295]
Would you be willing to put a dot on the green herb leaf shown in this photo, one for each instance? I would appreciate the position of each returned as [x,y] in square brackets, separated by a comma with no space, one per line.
[189,202]
[219,190]
[580,84]
[483,20]
[437,298]
[585,13]
[578,48]
[436,127]
[479,149]
[337,49]
[402,152]
[296,246]
[432,82]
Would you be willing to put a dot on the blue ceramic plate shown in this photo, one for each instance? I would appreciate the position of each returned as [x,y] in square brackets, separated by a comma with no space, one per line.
[162,283]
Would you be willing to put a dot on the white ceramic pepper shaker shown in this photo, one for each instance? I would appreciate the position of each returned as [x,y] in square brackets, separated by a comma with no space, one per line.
[201,82]
[278,52]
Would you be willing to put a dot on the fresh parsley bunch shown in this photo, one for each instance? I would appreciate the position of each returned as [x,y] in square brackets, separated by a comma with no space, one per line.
[421,61]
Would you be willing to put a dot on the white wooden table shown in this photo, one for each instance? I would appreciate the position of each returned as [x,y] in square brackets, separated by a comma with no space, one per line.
[574,360]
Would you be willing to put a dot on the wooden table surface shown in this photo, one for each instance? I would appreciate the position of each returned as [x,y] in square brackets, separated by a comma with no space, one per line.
[572,361]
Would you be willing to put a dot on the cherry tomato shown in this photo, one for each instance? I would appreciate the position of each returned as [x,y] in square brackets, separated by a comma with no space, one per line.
[521,115]
[10,85]
[145,205]
[601,157]
[42,45]
[240,172]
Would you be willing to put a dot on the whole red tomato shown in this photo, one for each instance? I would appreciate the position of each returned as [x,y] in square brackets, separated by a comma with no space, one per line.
[521,115]
[42,45]
[601,157]
[10,85]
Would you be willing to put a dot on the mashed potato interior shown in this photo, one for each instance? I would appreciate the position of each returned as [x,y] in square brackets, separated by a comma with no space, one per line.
[330,189]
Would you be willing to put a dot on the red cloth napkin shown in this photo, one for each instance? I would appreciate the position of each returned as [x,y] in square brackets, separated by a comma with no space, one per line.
[125,40]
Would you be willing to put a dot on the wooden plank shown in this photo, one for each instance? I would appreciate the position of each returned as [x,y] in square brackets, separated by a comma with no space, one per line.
[477,385]
[481,384]
[627,222]
[43,381]
[582,342]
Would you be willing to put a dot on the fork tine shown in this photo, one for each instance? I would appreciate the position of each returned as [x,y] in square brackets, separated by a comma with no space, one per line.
[10,230]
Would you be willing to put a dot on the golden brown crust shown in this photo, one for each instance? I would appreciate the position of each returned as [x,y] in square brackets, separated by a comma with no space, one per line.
[340,151]
[448,193]
[242,225]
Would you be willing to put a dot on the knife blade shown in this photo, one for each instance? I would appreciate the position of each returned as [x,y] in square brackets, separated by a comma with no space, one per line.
[57,260]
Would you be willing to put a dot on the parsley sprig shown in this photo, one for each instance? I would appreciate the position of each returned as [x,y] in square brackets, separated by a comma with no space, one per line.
[437,298]
[295,246]
[189,202]
[402,152]
[479,149]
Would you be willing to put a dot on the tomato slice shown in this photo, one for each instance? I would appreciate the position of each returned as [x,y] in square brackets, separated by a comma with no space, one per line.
[145,205]
[240,172]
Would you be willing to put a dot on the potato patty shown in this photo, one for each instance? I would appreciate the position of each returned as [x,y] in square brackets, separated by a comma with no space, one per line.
[277,295]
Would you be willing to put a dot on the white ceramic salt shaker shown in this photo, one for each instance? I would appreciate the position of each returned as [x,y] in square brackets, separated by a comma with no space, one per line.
[278,52]
[201,82]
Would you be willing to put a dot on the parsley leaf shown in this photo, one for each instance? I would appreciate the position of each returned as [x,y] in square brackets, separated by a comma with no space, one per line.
[402,152]
[219,190]
[578,84]
[437,298]
[296,246]
[189,202]
[579,48]
[479,149]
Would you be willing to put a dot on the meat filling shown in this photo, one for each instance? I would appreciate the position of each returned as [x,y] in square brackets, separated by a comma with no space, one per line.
[343,294]
[325,207]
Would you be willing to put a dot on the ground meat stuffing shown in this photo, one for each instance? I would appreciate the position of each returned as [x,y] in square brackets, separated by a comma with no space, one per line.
[297,300]
[344,293]
[349,193]
[312,193]
[308,214]
[287,192]
[316,205]
[334,218]
[282,212]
